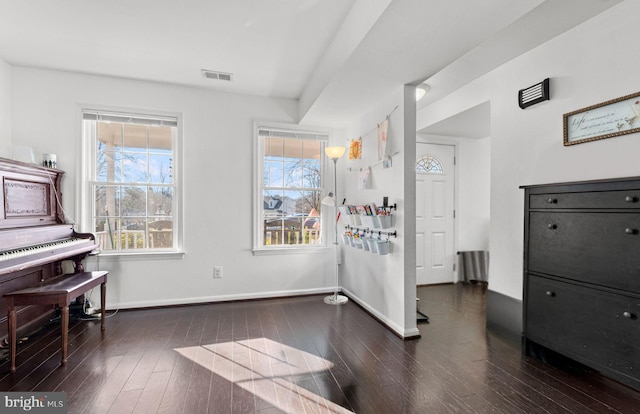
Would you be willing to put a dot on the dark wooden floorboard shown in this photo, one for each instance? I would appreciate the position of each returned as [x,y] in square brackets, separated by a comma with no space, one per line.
[298,355]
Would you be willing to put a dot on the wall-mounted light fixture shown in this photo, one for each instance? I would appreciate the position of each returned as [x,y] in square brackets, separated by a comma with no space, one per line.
[421,91]
[534,94]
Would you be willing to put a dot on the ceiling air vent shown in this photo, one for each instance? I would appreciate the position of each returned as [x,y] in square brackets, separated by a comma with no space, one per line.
[212,74]
[534,94]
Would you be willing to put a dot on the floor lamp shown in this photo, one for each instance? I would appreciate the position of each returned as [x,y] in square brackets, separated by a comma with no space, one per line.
[331,200]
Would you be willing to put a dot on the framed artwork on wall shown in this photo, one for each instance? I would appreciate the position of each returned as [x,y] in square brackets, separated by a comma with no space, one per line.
[608,119]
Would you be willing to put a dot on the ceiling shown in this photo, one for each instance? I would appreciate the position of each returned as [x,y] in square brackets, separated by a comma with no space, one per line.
[338,58]
[473,123]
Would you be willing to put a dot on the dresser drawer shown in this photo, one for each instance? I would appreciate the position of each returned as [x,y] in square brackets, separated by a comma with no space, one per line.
[595,325]
[586,200]
[599,248]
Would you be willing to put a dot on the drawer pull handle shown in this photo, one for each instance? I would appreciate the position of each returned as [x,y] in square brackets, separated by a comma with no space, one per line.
[550,293]
[552,200]
[630,231]
[552,226]
[626,315]
[630,199]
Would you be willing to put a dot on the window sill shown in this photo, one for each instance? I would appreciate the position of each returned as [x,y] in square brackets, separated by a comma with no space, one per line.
[117,256]
[289,250]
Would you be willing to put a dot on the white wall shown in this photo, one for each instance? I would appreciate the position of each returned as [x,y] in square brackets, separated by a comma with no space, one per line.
[474,193]
[590,64]
[217,172]
[5,109]
[382,284]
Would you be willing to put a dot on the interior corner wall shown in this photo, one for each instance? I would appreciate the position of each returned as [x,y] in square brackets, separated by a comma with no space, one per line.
[217,172]
[473,194]
[381,284]
[527,145]
[5,109]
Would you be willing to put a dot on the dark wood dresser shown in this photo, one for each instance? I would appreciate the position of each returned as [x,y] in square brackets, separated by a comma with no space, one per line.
[582,274]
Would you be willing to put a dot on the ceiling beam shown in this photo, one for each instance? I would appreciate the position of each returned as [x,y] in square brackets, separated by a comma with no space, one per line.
[359,21]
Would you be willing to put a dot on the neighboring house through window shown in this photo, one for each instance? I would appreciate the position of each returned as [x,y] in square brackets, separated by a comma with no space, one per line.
[132,181]
[289,188]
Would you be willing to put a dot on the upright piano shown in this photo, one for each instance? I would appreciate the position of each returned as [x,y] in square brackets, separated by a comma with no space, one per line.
[34,236]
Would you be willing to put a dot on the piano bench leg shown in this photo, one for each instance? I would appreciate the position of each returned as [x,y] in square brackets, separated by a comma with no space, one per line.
[64,331]
[103,298]
[11,325]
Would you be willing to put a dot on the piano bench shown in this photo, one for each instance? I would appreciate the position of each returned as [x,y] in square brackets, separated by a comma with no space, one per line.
[57,291]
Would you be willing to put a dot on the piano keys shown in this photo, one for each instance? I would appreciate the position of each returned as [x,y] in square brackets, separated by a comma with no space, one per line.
[56,243]
[11,255]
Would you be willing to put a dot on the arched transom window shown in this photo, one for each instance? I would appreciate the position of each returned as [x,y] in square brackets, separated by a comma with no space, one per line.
[429,164]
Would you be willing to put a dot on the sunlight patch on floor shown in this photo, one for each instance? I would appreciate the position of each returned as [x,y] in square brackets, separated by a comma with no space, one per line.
[266,368]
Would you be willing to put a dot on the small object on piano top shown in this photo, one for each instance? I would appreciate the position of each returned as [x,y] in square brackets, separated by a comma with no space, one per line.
[49,160]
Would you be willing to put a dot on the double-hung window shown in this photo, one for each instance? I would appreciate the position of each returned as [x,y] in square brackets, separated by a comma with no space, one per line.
[289,190]
[131,167]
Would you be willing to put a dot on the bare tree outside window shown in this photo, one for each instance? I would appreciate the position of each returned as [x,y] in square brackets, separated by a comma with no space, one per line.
[292,191]
[133,186]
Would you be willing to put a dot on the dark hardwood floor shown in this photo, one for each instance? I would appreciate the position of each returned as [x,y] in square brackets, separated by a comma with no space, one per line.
[299,355]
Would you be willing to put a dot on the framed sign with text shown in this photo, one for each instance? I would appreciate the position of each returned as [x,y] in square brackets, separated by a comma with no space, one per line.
[605,120]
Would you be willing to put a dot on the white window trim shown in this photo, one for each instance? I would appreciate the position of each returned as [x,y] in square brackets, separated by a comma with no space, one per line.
[258,167]
[84,172]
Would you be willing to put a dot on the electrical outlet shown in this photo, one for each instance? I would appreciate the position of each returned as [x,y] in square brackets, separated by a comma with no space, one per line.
[217,272]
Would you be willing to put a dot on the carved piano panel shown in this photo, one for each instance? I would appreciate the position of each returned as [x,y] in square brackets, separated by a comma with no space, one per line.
[30,195]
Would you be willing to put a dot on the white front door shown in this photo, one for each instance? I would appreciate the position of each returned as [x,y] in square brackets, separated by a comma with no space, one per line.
[434,213]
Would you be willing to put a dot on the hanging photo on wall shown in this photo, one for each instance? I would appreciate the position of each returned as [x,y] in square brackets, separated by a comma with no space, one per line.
[382,139]
[604,120]
[363,178]
[355,149]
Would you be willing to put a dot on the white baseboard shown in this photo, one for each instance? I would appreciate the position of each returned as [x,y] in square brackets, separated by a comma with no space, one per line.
[397,329]
[216,298]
